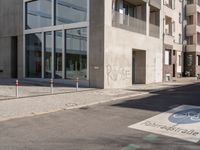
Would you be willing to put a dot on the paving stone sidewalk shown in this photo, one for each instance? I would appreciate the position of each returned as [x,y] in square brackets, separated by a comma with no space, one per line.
[36,105]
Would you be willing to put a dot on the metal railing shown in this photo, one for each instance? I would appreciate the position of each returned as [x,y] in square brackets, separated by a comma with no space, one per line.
[128,23]
[154,30]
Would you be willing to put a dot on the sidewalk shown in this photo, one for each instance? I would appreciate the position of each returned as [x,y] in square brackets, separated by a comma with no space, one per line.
[30,106]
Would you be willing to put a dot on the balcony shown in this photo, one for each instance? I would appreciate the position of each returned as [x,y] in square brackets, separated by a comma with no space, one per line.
[154,22]
[128,23]
[193,48]
[154,30]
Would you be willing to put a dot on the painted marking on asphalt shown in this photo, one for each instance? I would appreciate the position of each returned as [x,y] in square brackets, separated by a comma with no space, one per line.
[182,122]
[151,138]
[131,147]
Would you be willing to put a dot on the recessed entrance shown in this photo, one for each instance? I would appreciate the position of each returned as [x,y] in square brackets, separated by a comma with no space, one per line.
[174,70]
[14,56]
[139,66]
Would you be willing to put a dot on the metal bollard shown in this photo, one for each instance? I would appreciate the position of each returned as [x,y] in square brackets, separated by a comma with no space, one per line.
[17,88]
[77,84]
[51,82]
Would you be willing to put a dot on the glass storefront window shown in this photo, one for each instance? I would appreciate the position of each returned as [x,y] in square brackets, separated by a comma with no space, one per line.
[58,54]
[76,53]
[71,11]
[33,55]
[38,14]
[48,55]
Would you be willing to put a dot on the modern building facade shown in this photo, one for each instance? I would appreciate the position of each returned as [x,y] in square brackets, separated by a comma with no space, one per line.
[192,58]
[106,44]
[173,19]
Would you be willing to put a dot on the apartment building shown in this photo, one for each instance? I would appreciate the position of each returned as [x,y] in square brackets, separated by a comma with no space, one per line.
[173,19]
[192,58]
[106,44]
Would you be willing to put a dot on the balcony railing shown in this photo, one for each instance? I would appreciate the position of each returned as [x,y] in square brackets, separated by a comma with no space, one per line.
[154,30]
[128,23]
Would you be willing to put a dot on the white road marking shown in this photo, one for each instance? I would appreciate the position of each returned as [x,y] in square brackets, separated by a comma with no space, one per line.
[182,122]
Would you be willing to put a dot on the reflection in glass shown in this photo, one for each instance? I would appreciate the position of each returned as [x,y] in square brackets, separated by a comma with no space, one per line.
[58,54]
[38,14]
[48,55]
[76,53]
[33,55]
[71,11]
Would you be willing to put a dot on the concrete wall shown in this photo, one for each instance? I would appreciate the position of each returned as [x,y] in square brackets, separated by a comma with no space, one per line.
[11,24]
[119,45]
[96,46]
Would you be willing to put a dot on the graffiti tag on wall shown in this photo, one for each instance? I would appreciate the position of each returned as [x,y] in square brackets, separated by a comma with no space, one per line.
[117,73]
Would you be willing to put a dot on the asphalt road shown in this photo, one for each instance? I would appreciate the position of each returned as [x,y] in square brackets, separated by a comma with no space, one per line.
[100,127]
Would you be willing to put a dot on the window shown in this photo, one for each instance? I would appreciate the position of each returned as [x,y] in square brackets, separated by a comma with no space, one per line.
[198,38]
[198,60]
[190,20]
[180,38]
[189,60]
[56,50]
[180,19]
[174,26]
[34,55]
[189,40]
[58,55]
[190,1]
[167,57]
[179,60]
[76,53]
[48,55]
[169,3]
[174,52]
[71,11]
[38,14]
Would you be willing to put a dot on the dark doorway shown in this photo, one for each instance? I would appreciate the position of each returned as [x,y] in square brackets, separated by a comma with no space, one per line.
[139,66]
[174,70]
[133,71]
[14,57]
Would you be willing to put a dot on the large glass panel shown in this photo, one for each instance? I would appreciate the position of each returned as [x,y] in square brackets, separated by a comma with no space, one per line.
[58,54]
[48,55]
[76,53]
[33,55]
[71,11]
[38,14]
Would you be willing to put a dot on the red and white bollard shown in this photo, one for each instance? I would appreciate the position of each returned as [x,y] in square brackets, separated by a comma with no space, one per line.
[77,84]
[17,88]
[51,82]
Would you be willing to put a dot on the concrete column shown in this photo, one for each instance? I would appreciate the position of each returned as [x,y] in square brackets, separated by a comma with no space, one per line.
[147,17]
[53,54]
[43,51]
[63,54]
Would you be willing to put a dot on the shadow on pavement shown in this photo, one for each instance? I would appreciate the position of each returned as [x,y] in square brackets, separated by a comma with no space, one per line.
[164,100]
